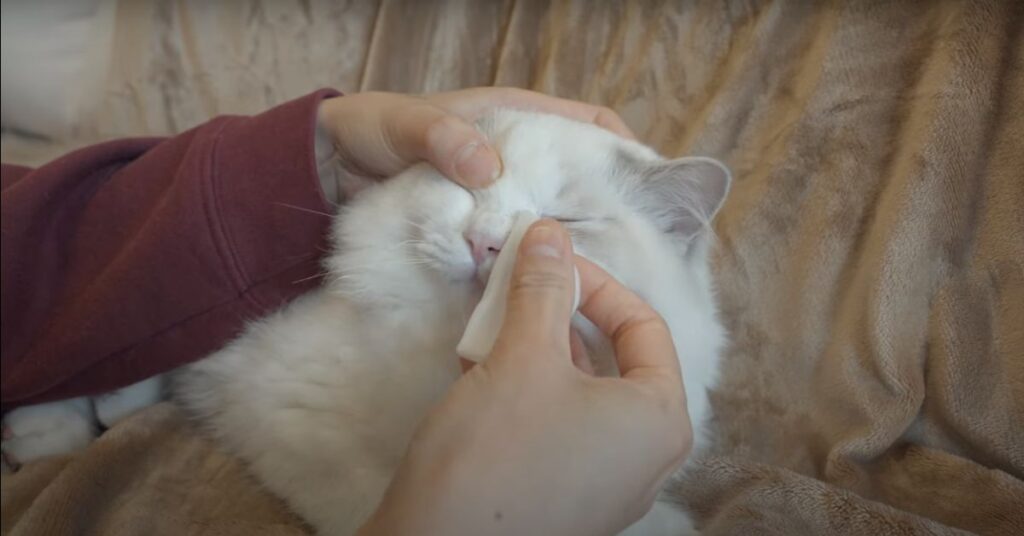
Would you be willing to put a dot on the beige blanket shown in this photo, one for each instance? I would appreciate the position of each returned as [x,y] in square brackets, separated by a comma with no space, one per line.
[870,261]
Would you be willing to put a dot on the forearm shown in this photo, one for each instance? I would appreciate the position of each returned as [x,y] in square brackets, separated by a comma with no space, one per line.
[129,258]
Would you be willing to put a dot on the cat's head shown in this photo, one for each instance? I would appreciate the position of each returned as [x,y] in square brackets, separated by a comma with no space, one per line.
[421,242]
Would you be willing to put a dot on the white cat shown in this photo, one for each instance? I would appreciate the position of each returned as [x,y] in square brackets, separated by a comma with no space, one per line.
[322,397]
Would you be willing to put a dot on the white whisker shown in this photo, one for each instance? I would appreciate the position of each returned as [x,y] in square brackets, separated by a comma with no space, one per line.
[303,209]
[314,276]
[417,225]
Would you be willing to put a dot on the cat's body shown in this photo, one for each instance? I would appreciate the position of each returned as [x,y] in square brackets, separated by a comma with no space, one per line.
[321,398]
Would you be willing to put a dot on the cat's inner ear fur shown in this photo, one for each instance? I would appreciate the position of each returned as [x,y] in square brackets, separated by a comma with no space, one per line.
[681,195]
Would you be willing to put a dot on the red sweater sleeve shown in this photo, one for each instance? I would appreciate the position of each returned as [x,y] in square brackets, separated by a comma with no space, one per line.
[129,258]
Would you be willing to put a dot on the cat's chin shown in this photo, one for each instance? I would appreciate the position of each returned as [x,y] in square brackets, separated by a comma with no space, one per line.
[465,287]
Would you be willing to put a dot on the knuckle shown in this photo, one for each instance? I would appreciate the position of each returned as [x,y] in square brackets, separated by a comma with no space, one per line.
[646,319]
[606,116]
[681,439]
[670,403]
[609,119]
[440,125]
[662,325]
[655,320]
[514,91]
[540,281]
[444,134]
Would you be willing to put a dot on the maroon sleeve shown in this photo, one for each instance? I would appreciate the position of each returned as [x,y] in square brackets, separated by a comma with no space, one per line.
[129,258]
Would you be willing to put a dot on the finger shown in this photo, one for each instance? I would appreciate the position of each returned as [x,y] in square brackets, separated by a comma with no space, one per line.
[465,364]
[580,356]
[540,295]
[455,147]
[642,341]
[473,102]
[379,134]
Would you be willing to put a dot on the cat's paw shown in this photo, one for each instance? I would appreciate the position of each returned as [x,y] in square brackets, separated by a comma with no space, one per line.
[50,429]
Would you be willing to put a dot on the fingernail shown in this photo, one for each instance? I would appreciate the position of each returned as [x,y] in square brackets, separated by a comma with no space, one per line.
[477,164]
[543,240]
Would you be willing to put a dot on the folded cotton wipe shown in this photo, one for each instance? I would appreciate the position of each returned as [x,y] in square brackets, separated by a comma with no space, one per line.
[489,315]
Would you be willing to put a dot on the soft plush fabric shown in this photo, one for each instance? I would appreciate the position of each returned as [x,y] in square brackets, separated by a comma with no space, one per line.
[152,475]
[870,262]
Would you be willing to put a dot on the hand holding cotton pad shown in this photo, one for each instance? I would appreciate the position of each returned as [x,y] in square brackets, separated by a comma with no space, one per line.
[486,321]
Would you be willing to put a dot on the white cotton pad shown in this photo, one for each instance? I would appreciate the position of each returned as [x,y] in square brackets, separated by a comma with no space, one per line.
[489,315]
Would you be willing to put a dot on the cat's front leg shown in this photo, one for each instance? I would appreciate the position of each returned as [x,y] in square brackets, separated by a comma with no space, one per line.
[116,405]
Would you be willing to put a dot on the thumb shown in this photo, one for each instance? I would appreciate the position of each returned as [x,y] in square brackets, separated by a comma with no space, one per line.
[456,148]
[540,295]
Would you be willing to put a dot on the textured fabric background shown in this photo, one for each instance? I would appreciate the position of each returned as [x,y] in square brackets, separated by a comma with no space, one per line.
[870,261]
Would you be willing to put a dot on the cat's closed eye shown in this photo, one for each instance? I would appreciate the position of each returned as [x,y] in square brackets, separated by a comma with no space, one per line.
[569,219]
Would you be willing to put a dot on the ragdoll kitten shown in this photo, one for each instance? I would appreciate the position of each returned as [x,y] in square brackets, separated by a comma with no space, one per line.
[322,397]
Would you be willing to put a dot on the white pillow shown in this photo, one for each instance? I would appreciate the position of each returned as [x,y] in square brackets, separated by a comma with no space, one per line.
[54,58]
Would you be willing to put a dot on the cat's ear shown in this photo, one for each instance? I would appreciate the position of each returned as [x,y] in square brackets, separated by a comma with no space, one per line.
[682,195]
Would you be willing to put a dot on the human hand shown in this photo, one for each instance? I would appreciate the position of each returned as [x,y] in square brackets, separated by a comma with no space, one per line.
[377,134]
[526,442]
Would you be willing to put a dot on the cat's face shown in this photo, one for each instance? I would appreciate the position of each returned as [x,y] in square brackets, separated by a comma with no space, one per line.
[420,242]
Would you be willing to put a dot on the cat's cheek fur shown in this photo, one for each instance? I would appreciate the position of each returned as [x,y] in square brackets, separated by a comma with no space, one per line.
[409,247]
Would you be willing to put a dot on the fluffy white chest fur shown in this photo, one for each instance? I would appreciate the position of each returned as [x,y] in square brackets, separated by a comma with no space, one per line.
[321,398]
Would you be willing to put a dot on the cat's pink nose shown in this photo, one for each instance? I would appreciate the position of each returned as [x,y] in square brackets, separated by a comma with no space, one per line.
[483,246]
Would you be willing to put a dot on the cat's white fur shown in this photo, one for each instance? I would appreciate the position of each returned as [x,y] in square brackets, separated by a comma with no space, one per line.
[64,426]
[321,397]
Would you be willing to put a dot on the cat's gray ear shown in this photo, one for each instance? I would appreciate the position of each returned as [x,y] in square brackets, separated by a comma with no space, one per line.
[682,195]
